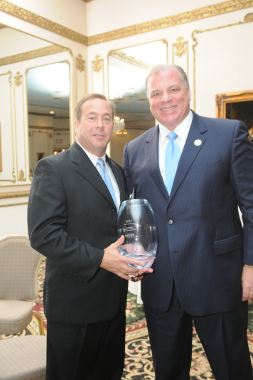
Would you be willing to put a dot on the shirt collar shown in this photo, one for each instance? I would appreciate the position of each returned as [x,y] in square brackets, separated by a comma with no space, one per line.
[92,157]
[181,130]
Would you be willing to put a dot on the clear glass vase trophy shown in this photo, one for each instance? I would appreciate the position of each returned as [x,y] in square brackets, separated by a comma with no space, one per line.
[136,221]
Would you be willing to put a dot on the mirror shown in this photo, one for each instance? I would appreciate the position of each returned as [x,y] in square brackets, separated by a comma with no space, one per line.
[127,72]
[35,79]
[48,89]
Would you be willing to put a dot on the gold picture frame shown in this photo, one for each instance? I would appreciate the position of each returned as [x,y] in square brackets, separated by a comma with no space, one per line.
[222,100]
[40,156]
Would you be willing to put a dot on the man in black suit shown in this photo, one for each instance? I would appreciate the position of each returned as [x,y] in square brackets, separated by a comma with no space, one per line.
[72,220]
[195,172]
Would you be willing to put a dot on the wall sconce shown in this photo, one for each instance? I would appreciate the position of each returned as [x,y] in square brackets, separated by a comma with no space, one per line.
[121,134]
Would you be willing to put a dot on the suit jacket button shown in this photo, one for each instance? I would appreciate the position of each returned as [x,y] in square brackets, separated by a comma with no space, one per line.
[114,209]
[170,221]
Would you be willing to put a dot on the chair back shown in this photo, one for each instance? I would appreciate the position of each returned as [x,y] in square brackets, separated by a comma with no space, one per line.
[19,265]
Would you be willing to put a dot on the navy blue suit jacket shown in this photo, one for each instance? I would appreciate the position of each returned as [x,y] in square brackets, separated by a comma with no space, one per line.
[201,243]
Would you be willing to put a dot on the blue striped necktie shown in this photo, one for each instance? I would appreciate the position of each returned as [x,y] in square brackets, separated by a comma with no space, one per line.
[172,156]
[106,179]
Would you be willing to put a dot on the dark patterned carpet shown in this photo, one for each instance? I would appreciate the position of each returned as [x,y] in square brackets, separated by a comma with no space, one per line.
[138,355]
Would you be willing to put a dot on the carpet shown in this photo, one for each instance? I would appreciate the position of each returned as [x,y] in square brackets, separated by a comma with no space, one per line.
[138,355]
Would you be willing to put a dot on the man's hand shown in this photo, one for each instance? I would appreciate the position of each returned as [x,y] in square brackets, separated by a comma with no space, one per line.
[114,262]
[247,284]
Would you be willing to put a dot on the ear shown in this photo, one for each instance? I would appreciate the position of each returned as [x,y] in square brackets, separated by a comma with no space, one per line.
[189,93]
[76,125]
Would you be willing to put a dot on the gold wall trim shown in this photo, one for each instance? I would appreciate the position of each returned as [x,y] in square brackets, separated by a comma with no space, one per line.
[14,195]
[31,54]
[97,66]
[129,59]
[12,133]
[167,22]
[181,48]
[42,22]
[14,204]
[80,63]
[247,19]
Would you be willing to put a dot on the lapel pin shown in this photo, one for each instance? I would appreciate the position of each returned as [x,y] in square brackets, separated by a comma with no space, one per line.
[197,142]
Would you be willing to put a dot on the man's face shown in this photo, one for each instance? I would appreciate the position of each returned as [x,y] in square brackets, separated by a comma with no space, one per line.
[96,127]
[169,100]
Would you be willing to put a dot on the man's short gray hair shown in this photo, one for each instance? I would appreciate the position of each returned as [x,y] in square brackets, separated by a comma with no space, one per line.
[86,98]
[165,67]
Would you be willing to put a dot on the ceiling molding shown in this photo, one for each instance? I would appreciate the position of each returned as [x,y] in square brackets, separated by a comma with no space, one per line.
[32,54]
[42,22]
[129,59]
[166,22]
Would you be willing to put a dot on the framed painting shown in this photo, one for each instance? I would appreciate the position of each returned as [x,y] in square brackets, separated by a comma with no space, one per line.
[40,156]
[236,105]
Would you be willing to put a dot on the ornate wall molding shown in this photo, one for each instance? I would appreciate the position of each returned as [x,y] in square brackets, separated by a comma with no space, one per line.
[80,63]
[42,22]
[247,19]
[13,180]
[129,59]
[32,54]
[165,22]
[14,204]
[98,64]
[18,79]
[14,195]
[179,49]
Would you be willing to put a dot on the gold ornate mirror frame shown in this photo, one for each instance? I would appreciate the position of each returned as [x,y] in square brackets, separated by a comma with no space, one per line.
[231,97]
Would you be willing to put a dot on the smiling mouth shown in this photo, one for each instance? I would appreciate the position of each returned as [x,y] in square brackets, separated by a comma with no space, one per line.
[168,109]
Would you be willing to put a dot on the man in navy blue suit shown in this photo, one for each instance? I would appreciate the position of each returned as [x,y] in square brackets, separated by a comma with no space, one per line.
[195,172]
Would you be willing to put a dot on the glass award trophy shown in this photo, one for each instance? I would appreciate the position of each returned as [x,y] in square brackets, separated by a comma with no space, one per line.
[136,221]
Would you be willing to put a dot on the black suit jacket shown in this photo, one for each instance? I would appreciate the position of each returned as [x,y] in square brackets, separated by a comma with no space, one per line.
[202,245]
[71,219]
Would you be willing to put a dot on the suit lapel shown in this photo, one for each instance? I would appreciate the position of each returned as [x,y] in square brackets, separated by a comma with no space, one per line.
[190,151]
[88,171]
[151,154]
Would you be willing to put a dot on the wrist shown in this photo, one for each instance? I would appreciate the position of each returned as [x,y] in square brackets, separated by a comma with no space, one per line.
[249,266]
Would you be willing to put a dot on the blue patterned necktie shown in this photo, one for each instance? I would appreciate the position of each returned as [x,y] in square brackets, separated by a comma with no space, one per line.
[106,179]
[172,156]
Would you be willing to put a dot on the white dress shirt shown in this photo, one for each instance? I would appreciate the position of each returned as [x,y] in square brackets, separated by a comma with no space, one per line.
[181,130]
[94,160]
